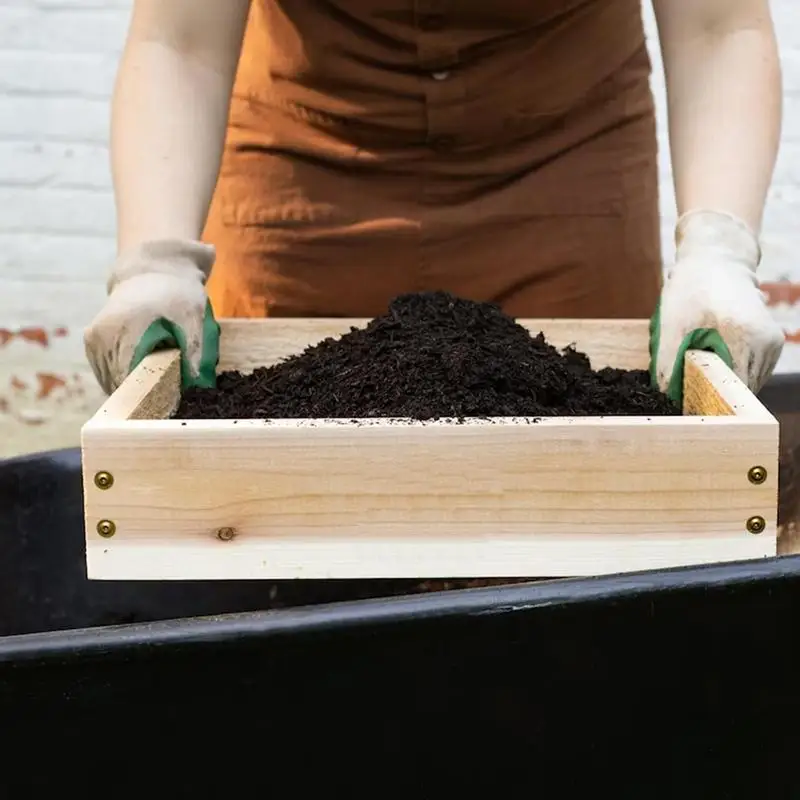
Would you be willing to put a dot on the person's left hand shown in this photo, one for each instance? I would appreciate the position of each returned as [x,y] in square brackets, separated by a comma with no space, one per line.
[711,300]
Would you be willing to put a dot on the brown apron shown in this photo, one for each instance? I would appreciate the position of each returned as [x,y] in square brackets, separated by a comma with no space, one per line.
[498,149]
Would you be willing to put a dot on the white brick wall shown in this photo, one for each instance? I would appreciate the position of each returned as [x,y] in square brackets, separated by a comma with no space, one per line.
[57,64]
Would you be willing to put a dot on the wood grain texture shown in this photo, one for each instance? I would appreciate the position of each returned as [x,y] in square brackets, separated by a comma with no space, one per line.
[710,388]
[151,391]
[249,343]
[397,498]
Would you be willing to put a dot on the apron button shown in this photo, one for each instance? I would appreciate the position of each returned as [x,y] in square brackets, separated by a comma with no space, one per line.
[431,22]
[441,75]
[442,143]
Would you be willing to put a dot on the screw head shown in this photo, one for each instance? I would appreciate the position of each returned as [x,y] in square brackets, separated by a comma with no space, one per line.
[103,480]
[225,534]
[757,475]
[756,524]
[106,528]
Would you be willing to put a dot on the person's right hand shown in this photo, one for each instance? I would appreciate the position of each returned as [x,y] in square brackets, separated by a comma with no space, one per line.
[156,299]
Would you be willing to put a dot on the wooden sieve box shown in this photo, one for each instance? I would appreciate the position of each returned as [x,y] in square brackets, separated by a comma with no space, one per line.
[284,499]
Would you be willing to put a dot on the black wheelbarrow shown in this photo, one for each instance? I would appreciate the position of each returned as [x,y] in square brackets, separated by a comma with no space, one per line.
[674,683]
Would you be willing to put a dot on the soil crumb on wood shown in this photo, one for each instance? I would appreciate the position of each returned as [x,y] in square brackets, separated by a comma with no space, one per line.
[432,355]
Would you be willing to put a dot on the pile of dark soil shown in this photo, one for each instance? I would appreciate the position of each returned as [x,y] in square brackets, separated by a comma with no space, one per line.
[431,355]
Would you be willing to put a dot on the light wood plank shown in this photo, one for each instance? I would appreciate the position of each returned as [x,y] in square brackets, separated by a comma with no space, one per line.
[711,389]
[151,391]
[474,500]
[247,343]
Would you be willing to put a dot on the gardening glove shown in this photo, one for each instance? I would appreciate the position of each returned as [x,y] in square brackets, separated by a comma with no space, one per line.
[710,300]
[156,299]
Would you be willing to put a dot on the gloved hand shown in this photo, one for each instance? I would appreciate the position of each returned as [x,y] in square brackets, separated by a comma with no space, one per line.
[710,300]
[156,299]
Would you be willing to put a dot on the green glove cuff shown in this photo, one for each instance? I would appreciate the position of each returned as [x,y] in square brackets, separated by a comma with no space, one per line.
[165,334]
[706,339]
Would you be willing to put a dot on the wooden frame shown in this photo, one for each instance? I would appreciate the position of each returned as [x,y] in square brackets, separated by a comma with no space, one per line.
[242,499]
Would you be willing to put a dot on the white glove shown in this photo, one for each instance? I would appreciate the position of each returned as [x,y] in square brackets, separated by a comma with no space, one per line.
[157,280]
[713,284]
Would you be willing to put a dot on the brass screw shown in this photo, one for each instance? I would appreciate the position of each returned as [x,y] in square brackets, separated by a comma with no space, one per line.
[757,475]
[103,480]
[225,534]
[756,524]
[106,528]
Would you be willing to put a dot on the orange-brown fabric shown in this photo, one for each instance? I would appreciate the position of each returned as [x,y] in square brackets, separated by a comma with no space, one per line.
[501,150]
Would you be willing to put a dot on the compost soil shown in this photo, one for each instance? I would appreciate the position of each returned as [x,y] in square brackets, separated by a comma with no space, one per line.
[431,355]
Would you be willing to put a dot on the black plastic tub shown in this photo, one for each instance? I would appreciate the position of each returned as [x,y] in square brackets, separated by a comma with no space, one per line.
[672,683]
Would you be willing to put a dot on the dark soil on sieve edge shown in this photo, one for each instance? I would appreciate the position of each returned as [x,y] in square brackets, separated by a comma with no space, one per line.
[431,355]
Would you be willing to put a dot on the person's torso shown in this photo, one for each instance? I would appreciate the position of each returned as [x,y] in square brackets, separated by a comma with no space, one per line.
[430,70]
